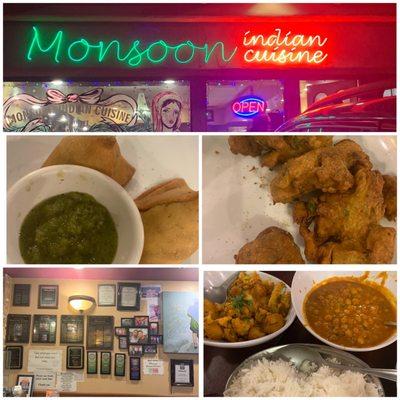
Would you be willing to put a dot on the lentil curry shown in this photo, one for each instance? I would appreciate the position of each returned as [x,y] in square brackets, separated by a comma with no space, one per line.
[350,311]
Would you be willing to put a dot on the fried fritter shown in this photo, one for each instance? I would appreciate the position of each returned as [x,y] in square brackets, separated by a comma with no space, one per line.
[275,149]
[271,246]
[329,169]
[245,145]
[390,196]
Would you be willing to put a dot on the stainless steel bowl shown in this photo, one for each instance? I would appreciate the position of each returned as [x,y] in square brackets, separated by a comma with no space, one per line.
[340,356]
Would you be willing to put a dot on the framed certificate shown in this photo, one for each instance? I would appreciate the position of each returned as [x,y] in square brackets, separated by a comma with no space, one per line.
[18,328]
[105,363]
[128,296]
[134,368]
[106,295]
[91,362]
[119,364]
[14,357]
[21,295]
[75,357]
[44,328]
[100,332]
[72,329]
[48,296]
[182,373]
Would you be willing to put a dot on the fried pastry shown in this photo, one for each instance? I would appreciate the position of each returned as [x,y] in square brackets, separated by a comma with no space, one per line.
[390,196]
[329,169]
[245,145]
[272,246]
[170,218]
[101,153]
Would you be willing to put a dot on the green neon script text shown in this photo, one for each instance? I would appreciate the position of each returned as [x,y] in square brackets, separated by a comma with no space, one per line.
[137,54]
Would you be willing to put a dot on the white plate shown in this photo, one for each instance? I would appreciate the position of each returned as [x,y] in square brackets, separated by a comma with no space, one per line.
[156,159]
[236,209]
[215,278]
[302,283]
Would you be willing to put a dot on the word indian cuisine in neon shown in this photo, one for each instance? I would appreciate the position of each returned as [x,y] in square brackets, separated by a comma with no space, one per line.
[283,49]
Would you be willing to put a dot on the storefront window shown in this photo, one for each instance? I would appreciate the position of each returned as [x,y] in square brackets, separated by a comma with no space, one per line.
[240,106]
[97,106]
[312,91]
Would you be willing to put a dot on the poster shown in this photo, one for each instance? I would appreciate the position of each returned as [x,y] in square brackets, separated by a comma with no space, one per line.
[153,367]
[45,380]
[50,360]
[150,291]
[153,309]
[180,322]
[66,382]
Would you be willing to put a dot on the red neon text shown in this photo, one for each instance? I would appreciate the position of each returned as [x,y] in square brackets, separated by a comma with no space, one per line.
[284,49]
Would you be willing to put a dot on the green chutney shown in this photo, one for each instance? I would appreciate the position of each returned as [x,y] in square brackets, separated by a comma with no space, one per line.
[71,228]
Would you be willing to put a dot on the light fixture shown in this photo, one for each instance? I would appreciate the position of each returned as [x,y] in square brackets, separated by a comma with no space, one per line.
[57,82]
[169,82]
[81,303]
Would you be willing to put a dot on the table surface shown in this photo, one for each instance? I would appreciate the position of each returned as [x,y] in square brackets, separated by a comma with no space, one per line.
[219,363]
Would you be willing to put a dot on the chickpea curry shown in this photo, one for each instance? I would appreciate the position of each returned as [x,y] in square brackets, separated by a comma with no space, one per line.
[254,308]
[350,312]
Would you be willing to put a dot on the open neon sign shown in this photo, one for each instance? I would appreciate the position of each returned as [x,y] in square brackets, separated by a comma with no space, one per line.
[249,106]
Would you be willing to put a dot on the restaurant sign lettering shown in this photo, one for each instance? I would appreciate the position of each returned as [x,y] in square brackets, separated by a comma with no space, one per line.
[276,47]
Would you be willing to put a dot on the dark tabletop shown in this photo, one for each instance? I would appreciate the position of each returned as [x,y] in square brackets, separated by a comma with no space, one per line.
[219,363]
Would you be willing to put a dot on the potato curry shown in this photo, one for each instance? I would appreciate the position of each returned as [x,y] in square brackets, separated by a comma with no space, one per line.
[350,312]
[254,308]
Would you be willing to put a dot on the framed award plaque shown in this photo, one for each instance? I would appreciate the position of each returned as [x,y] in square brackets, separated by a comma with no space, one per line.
[75,357]
[91,362]
[182,373]
[21,295]
[119,364]
[44,328]
[105,363]
[14,357]
[100,332]
[72,329]
[48,296]
[18,328]
[134,368]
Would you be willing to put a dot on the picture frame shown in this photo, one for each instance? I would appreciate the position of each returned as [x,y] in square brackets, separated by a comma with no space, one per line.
[121,331]
[134,368]
[135,350]
[138,335]
[128,322]
[128,296]
[21,295]
[119,364]
[75,357]
[122,342]
[106,295]
[141,321]
[71,329]
[149,349]
[14,357]
[18,328]
[48,296]
[105,363]
[182,373]
[100,332]
[92,363]
[44,328]
[26,382]
[156,339]
[153,328]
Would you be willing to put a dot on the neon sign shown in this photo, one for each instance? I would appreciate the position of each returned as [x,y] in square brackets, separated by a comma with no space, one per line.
[274,49]
[249,106]
[156,52]
[284,49]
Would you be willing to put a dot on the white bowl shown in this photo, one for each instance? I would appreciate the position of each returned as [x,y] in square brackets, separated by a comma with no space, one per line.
[212,278]
[51,181]
[303,282]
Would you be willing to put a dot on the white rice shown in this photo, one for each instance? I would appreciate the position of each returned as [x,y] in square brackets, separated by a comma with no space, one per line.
[280,378]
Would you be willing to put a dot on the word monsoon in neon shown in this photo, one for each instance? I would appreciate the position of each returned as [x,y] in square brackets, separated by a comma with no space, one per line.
[284,49]
[82,50]
[249,106]
[275,49]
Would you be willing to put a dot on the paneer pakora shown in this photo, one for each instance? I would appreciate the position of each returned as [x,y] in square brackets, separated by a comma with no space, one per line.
[272,246]
[254,308]
[275,150]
